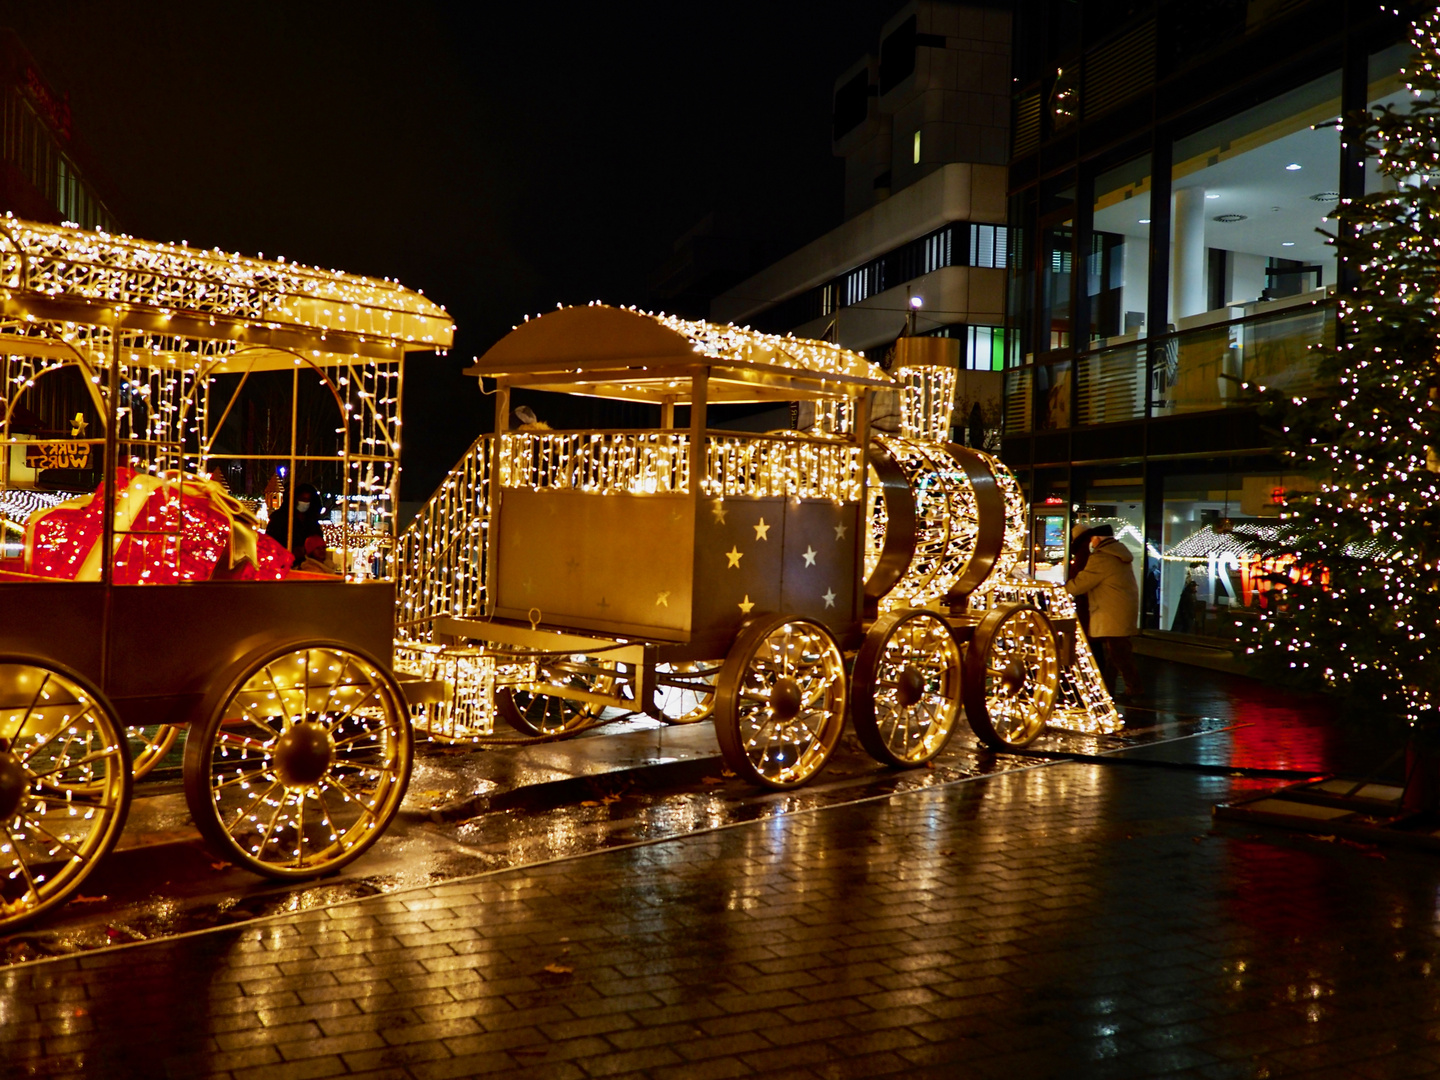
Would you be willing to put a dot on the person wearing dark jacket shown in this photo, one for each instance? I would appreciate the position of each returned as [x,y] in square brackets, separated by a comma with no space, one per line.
[1109,582]
[309,539]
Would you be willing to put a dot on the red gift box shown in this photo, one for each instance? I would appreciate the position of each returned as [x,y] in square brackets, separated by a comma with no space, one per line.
[168,528]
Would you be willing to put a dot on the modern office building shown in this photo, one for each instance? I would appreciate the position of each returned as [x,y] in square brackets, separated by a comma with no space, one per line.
[45,171]
[1172,168]
[923,127]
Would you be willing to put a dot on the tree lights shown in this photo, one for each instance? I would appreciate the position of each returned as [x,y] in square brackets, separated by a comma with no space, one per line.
[1360,555]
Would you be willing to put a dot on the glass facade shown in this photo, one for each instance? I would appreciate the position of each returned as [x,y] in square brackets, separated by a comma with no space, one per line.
[1170,252]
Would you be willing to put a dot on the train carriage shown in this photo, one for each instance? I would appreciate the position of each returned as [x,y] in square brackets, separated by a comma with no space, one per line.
[148,380]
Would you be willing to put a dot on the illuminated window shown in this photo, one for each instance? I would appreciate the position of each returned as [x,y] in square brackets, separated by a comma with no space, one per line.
[917,148]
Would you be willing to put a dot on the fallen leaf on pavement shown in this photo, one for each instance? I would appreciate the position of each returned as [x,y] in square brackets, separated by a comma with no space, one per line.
[559,969]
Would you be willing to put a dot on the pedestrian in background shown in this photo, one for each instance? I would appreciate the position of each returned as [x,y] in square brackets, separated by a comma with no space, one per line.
[1079,556]
[308,542]
[1108,579]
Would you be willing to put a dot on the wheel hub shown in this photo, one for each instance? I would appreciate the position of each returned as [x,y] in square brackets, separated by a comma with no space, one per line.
[14,783]
[909,687]
[304,754]
[1012,678]
[786,699]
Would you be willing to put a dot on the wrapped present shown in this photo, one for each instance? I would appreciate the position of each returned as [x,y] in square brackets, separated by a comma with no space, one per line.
[168,528]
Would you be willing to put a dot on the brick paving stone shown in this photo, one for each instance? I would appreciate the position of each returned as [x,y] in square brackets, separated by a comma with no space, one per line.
[1077,929]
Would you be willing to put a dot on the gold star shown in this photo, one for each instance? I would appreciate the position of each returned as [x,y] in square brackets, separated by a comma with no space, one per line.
[745,605]
[662,599]
[839,533]
[734,555]
[718,509]
[829,598]
[762,530]
[810,554]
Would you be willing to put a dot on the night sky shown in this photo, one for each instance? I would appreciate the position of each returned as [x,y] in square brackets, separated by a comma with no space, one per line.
[503,158]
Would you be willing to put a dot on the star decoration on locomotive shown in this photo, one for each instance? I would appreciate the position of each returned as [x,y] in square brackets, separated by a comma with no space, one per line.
[718,509]
[762,531]
[662,599]
[745,605]
[810,554]
[839,532]
[829,598]
[734,555]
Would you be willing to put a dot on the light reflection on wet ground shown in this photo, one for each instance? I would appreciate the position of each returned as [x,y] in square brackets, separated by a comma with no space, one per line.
[632,782]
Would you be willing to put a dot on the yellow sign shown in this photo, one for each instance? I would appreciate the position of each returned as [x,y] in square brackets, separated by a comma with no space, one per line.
[57,455]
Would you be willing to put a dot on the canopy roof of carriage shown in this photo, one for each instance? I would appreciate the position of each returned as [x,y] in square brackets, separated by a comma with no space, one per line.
[633,355]
[68,292]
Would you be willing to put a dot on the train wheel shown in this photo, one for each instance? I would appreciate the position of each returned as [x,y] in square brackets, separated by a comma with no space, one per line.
[686,692]
[907,688]
[149,745]
[550,714]
[1011,677]
[780,701]
[65,785]
[301,762]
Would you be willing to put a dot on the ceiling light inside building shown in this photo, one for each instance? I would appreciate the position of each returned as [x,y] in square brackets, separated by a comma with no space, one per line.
[1229,218]
[1292,167]
[1287,243]
[1212,195]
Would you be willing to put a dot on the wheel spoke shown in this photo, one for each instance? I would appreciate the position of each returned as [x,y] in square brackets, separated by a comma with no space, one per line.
[19,860]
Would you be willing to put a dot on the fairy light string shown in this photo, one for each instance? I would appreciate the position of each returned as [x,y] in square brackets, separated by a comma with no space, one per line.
[1355,563]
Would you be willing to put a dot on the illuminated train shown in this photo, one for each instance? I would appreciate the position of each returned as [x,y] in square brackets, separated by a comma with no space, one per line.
[778,583]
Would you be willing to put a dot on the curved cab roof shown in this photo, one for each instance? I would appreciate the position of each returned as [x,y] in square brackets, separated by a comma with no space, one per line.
[634,355]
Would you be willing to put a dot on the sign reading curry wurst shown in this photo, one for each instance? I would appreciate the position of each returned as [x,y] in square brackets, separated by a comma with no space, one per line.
[57,455]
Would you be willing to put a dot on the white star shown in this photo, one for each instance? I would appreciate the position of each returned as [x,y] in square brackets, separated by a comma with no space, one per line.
[829,598]
[839,533]
[810,554]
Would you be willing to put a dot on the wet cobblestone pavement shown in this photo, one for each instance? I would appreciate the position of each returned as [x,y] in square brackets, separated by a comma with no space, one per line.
[1050,918]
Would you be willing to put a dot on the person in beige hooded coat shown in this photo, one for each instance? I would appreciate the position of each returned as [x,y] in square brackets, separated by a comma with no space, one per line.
[1109,582]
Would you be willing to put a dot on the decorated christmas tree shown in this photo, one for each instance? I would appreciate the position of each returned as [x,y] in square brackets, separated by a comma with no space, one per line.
[1357,559]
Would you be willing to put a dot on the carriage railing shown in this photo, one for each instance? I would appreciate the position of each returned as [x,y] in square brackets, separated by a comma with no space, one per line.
[597,462]
[781,466]
[651,462]
[440,556]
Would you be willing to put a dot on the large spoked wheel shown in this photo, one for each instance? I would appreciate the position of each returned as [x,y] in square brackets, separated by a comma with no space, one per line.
[780,701]
[301,762]
[533,713]
[149,745]
[907,688]
[1011,677]
[65,785]
[686,690]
